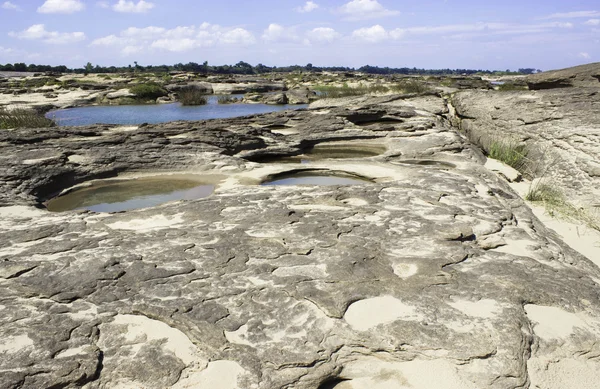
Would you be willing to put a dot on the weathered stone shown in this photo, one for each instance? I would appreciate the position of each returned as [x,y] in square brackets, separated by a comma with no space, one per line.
[578,76]
[436,265]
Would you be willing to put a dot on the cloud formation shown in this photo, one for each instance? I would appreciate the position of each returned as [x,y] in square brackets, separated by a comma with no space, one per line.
[179,39]
[61,6]
[132,7]
[10,6]
[572,15]
[308,7]
[322,35]
[39,32]
[365,9]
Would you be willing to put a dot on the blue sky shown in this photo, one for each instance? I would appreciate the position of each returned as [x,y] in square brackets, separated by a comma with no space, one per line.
[544,34]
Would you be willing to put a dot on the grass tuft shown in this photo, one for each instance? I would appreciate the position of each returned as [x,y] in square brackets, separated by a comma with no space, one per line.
[510,152]
[23,118]
[192,96]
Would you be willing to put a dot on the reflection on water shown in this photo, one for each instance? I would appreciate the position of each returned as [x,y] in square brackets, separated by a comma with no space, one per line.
[126,195]
[161,113]
[312,178]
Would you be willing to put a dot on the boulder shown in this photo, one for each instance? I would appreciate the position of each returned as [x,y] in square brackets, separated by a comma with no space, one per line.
[300,96]
[578,76]
[275,98]
[121,93]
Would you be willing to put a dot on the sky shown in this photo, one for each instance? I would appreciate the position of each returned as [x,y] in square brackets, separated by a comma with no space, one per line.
[473,34]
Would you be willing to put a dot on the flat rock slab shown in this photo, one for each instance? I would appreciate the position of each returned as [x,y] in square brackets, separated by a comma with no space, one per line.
[433,275]
[561,127]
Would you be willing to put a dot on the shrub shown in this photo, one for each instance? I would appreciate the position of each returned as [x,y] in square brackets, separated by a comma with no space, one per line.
[510,152]
[327,91]
[411,86]
[191,95]
[148,91]
[227,100]
[23,118]
[508,86]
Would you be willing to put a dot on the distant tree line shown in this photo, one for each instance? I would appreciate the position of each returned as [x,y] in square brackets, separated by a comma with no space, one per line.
[245,68]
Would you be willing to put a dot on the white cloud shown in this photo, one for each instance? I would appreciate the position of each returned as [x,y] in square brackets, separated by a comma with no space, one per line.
[179,39]
[372,34]
[365,9]
[322,35]
[308,7]
[238,36]
[10,6]
[39,32]
[278,33]
[61,6]
[570,15]
[592,22]
[176,45]
[130,6]
[274,32]
[585,55]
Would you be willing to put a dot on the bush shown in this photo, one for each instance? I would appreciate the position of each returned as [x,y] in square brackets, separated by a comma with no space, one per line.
[510,86]
[149,91]
[510,152]
[23,118]
[227,100]
[191,95]
[326,91]
[412,86]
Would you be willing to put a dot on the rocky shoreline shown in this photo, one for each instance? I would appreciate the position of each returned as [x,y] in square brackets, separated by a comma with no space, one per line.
[435,265]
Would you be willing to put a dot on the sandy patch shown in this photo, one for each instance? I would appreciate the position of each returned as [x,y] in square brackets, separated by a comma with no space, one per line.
[365,314]
[373,373]
[485,308]
[218,375]
[14,344]
[555,323]
[563,374]
[405,270]
[156,222]
[312,271]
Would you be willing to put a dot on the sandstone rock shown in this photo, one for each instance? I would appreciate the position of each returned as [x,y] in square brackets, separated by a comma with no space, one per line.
[120,94]
[275,98]
[435,265]
[561,127]
[300,96]
[578,76]
[204,87]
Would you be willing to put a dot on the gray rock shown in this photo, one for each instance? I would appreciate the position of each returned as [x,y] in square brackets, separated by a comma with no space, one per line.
[120,94]
[275,98]
[578,76]
[435,265]
[560,126]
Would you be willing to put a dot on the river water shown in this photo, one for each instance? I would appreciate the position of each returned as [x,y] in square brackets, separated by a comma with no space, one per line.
[161,113]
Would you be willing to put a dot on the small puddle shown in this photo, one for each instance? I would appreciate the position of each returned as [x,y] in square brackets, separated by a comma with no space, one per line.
[316,178]
[322,152]
[126,195]
[426,162]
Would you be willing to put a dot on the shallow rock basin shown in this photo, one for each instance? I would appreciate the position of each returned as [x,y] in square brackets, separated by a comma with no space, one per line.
[128,194]
[326,151]
[312,177]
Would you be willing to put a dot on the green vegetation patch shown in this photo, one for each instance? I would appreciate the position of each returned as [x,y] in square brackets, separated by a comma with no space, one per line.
[192,96]
[227,100]
[510,152]
[23,118]
[508,86]
[148,91]
[411,86]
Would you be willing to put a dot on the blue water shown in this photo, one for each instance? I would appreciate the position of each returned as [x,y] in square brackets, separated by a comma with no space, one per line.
[160,113]
[315,179]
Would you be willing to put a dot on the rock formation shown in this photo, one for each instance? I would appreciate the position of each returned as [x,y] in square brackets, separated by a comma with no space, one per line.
[433,275]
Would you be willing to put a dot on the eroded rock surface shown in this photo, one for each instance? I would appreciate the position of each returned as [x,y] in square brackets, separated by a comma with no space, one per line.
[436,274]
[561,126]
